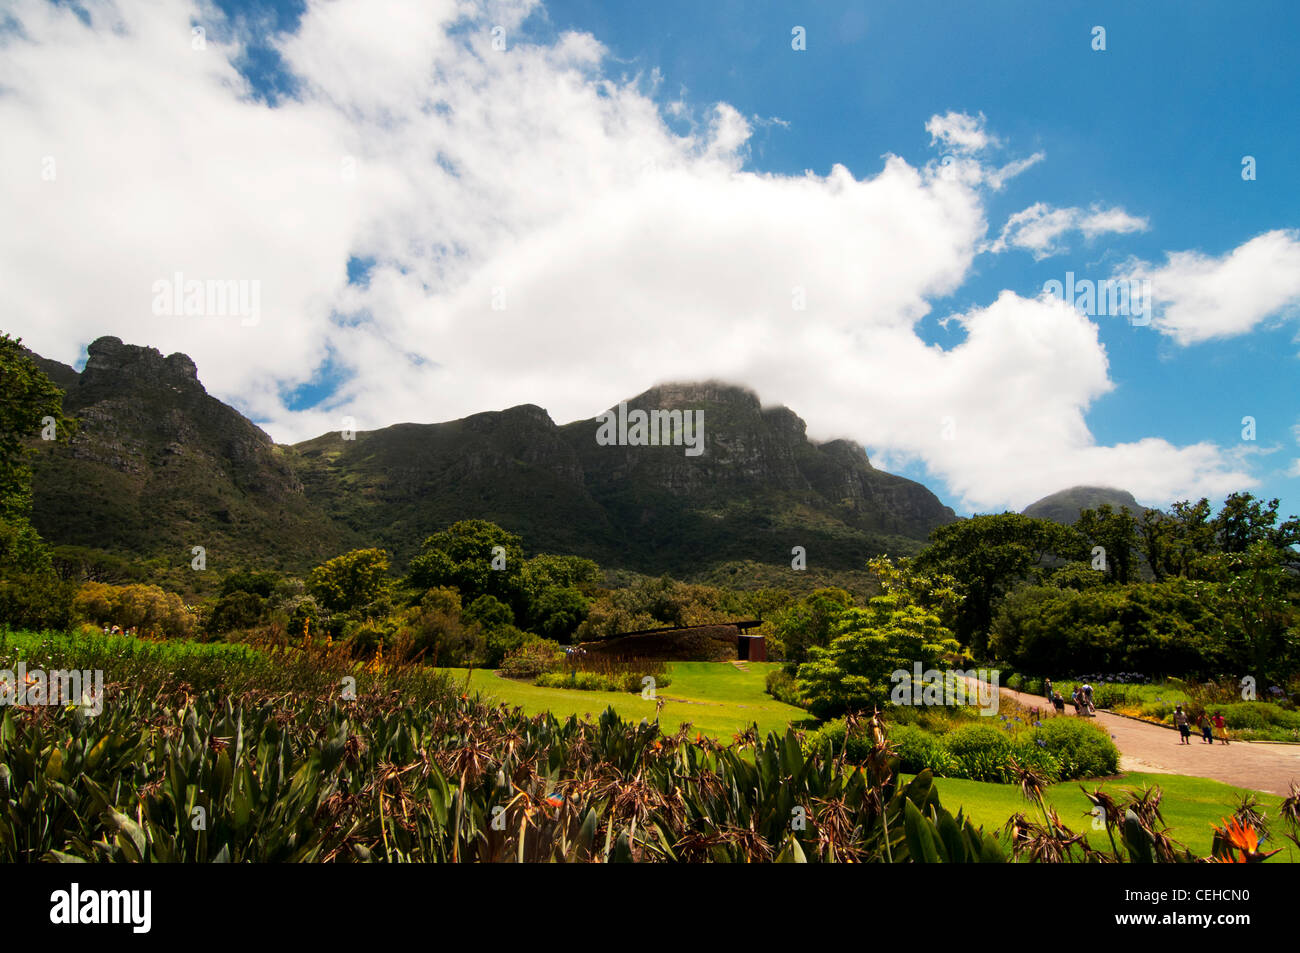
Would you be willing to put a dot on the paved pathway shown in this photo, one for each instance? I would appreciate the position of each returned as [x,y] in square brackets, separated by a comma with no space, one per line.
[1151,748]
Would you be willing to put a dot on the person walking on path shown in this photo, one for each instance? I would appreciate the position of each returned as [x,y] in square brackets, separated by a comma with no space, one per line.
[1047,689]
[1207,729]
[1220,727]
[1184,725]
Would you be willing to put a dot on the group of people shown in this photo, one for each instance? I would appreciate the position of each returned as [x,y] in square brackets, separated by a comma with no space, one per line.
[1204,722]
[1084,708]
[1081,698]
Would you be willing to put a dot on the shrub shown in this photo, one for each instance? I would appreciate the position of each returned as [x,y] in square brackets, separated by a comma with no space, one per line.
[918,749]
[980,752]
[1082,749]
[828,741]
[1110,696]
[36,600]
[502,640]
[782,686]
[532,658]
[598,681]
[1258,715]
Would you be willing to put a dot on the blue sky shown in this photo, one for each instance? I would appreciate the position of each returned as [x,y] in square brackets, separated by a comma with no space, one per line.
[1157,123]
[1152,130]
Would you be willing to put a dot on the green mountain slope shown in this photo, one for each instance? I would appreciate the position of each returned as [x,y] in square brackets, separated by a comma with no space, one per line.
[161,466]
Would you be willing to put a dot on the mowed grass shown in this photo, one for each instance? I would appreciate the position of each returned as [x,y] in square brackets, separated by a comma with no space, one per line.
[717,698]
[1190,807]
[720,700]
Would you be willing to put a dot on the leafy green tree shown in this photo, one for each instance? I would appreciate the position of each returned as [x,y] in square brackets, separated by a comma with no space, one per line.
[559,611]
[895,630]
[548,571]
[489,612]
[466,556]
[247,580]
[1242,522]
[1258,592]
[809,623]
[32,594]
[27,397]
[987,556]
[1172,627]
[351,581]
[1116,533]
[238,609]
[1175,542]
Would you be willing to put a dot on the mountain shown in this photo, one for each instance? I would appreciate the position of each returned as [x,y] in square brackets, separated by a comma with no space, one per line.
[1064,506]
[160,466]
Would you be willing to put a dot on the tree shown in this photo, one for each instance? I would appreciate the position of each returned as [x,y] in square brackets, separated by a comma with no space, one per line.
[1116,534]
[809,623]
[27,398]
[31,593]
[987,556]
[475,556]
[351,581]
[896,630]
[559,611]
[1258,592]
[238,609]
[489,612]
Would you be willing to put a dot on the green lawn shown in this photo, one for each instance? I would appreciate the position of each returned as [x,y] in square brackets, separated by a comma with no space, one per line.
[1190,806]
[717,698]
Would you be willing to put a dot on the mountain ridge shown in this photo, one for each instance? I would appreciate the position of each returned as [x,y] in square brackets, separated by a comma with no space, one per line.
[159,466]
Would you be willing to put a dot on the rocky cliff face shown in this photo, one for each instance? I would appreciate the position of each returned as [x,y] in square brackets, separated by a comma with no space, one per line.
[160,466]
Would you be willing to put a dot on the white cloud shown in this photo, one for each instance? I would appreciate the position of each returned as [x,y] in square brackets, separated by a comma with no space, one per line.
[960,132]
[625,254]
[1200,298]
[1039,228]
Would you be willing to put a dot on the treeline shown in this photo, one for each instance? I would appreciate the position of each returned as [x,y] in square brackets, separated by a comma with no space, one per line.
[1188,593]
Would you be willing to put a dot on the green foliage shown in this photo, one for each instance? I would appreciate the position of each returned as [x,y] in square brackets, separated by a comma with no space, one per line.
[809,622]
[351,581]
[893,632]
[532,659]
[558,612]
[990,555]
[1116,533]
[463,556]
[37,600]
[27,397]
[247,580]
[236,610]
[1080,747]
[438,634]
[148,609]
[782,686]
[1170,627]
[489,612]
[629,681]
[500,641]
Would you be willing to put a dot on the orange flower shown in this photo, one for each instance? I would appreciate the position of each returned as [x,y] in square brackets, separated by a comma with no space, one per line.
[1244,839]
[1241,836]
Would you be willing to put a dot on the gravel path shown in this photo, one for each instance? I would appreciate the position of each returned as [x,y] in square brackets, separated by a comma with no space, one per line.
[1152,748]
